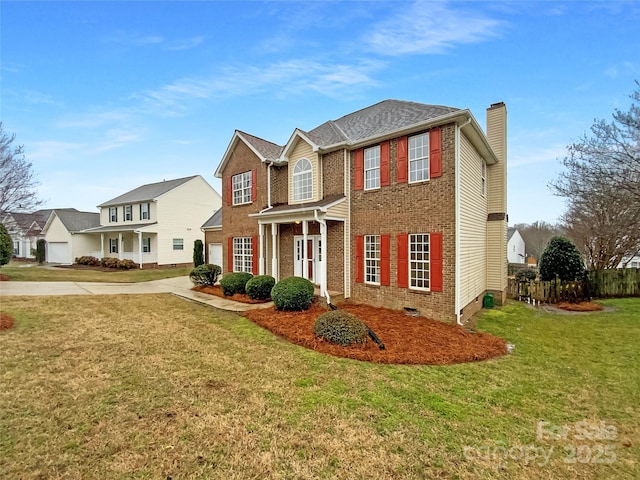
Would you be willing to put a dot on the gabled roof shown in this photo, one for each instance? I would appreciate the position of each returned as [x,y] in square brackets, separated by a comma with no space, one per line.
[147,193]
[75,221]
[215,221]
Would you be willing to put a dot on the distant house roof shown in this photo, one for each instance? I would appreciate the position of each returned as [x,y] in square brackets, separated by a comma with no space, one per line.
[75,221]
[147,193]
[510,232]
[214,221]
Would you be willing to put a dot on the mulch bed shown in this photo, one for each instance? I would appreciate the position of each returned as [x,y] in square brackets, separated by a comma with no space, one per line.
[6,322]
[238,297]
[4,278]
[580,307]
[407,340]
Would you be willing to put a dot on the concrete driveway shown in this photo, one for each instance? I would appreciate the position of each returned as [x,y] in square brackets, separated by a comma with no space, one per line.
[180,286]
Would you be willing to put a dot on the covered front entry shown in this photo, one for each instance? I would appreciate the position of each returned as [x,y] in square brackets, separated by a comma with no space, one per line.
[306,263]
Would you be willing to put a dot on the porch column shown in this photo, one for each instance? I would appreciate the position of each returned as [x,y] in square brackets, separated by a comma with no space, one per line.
[140,247]
[274,258]
[261,265]
[101,246]
[305,259]
[120,246]
[323,258]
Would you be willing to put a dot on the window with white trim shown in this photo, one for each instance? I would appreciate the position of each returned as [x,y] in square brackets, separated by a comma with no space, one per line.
[241,188]
[302,180]
[113,245]
[128,213]
[146,245]
[113,214]
[372,168]
[483,178]
[242,254]
[178,243]
[372,259]
[145,211]
[419,261]
[16,247]
[419,158]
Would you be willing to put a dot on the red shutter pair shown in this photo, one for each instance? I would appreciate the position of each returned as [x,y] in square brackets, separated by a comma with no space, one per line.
[254,253]
[385,271]
[385,175]
[435,156]
[435,259]
[254,187]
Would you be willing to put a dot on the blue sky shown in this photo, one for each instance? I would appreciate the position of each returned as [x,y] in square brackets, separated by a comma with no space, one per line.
[106,96]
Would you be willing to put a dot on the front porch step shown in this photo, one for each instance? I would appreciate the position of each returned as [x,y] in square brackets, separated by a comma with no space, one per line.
[336,297]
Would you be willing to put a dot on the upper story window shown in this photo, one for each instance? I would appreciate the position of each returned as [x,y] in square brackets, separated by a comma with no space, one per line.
[302,180]
[372,168]
[145,211]
[128,213]
[113,214]
[241,187]
[419,158]
[419,261]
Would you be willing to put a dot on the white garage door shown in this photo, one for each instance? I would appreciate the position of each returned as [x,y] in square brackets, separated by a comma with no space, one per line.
[58,252]
[215,254]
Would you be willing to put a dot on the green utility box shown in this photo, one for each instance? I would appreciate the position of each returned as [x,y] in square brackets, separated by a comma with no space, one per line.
[487,302]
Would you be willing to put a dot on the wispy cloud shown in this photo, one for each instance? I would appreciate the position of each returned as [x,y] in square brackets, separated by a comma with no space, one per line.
[186,43]
[429,28]
[524,157]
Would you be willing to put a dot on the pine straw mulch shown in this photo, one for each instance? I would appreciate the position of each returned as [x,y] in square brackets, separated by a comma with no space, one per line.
[6,321]
[580,307]
[407,340]
[238,297]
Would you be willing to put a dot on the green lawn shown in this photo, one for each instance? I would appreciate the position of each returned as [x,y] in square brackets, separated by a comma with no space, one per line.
[32,272]
[157,387]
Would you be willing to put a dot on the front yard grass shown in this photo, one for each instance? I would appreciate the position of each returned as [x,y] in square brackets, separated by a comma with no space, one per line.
[32,272]
[152,386]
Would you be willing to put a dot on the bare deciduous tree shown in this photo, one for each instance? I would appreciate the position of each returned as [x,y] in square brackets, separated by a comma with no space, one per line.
[536,236]
[601,183]
[17,181]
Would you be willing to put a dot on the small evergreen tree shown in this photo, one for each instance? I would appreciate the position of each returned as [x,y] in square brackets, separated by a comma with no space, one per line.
[198,253]
[6,246]
[561,258]
[40,250]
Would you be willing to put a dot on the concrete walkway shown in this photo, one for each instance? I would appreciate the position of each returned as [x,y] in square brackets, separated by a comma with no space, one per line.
[180,286]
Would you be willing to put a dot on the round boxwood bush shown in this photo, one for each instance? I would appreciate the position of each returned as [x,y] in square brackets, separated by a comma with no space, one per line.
[259,287]
[234,282]
[561,258]
[340,327]
[205,275]
[292,293]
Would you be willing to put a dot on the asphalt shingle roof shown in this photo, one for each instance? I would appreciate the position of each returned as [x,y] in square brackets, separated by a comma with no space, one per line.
[215,220]
[267,149]
[147,192]
[78,221]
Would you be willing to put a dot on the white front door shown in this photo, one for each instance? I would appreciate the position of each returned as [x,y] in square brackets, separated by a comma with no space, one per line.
[310,270]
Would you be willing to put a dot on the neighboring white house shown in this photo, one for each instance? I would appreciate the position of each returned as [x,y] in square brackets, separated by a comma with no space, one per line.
[515,247]
[64,238]
[25,229]
[633,262]
[155,223]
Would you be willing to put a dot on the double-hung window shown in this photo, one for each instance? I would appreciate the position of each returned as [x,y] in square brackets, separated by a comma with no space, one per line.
[419,261]
[372,259]
[419,158]
[113,245]
[113,214]
[146,245]
[145,211]
[372,168]
[178,243]
[242,254]
[302,180]
[128,213]
[241,188]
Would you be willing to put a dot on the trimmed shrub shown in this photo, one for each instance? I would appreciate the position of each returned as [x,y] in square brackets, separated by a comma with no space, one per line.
[6,245]
[198,253]
[205,275]
[526,274]
[561,258]
[340,327]
[40,250]
[260,286]
[127,264]
[112,262]
[87,260]
[292,293]
[234,282]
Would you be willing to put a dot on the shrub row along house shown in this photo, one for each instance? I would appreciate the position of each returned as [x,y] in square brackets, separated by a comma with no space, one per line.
[400,205]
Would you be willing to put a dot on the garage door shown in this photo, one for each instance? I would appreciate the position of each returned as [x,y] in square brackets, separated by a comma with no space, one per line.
[58,252]
[215,254]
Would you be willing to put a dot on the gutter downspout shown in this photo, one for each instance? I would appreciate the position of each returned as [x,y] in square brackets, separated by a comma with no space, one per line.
[457,254]
[323,263]
[269,206]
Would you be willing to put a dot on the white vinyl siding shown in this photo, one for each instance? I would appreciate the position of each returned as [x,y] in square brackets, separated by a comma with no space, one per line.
[241,187]
[372,168]
[301,152]
[242,254]
[419,261]
[419,158]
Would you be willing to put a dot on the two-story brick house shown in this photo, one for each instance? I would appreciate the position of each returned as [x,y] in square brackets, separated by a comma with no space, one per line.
[399,204]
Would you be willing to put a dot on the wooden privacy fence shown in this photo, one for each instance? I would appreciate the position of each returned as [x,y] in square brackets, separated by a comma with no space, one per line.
[624,282]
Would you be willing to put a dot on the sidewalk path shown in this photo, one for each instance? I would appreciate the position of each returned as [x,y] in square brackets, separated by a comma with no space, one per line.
[180,286]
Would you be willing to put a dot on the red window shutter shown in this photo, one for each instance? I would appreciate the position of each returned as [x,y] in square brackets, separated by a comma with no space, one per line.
[255,253]
[230,254]
[385,251]
[229,190]
[359,167]
[435,259]
[384,164]
[359,258]
[403,156]
[254,185]
[435,153]
[403,260]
